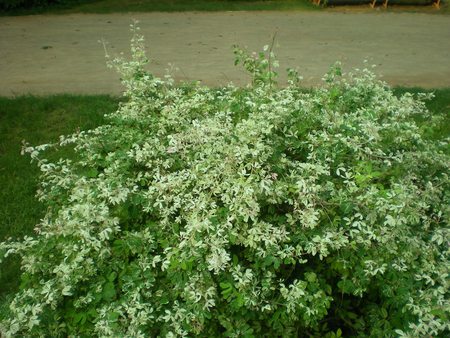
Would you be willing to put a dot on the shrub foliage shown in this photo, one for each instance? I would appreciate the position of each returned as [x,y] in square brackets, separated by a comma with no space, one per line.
[258,211]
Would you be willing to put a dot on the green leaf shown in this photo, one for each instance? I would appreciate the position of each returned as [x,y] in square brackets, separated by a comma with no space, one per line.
[109,291]
[235,260]
[112,276]
[91,173]
[276,263]
[227,290]
[225,285]
[311,277]
[239,301]
[78,317]
[113,316]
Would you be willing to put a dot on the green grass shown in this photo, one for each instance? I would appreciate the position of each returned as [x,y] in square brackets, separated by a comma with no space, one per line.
[42,119]
[439,105]
[123,6]
[37,120]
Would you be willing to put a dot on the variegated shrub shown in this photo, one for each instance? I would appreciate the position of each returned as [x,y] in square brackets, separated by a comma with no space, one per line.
[242,212]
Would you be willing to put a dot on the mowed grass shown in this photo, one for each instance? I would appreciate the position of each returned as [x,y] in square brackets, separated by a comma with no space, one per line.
[124,6]
[37,120]
[42,119]
[439,105]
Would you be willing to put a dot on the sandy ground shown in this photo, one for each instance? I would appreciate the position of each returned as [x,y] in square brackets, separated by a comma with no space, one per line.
[55,54]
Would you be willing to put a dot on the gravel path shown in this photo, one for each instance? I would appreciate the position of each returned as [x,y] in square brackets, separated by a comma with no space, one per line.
[55,54]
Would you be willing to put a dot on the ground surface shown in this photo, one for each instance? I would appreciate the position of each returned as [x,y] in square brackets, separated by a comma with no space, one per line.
[55,54]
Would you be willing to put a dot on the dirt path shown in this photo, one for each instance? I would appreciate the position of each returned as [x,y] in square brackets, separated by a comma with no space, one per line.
[54,54]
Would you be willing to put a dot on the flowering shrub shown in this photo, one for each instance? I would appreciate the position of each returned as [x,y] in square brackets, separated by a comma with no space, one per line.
[242,212]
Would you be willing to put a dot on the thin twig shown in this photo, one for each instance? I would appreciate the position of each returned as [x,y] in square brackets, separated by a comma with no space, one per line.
[270,56]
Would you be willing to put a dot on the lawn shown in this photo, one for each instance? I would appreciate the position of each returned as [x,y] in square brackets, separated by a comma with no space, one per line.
[36,120]
[123,6]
